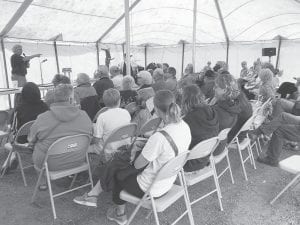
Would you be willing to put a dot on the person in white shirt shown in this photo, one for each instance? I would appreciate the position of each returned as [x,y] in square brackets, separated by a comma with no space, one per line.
[108,121]
[116,77]
[155,154]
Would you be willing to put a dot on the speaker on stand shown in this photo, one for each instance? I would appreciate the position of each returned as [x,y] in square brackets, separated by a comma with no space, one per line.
[269,52]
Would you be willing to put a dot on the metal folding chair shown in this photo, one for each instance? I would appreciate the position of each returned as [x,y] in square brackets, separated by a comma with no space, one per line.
[65,157]
[150,127]
[98,113]
[218,158]
[131,108]
[170,169]
[245,144]
[19,149]
[201,150]
[291,165]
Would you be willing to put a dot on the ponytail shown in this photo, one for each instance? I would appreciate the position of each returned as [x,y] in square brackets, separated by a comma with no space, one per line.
[174,113]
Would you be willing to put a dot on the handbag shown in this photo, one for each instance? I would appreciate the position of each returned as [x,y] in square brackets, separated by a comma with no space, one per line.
[131,170]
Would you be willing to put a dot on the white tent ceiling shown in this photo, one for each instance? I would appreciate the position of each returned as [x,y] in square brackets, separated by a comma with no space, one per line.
[161,22]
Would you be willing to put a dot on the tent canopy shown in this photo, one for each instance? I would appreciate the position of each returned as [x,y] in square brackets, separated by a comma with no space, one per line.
[157,22]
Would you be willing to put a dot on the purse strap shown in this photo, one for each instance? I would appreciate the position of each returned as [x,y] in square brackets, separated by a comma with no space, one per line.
[170,140]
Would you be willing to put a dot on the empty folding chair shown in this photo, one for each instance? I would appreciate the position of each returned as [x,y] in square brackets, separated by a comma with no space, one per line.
[244,144]
[291,165]
[170,169]
[201,150]
[218,158]
[66,156]
[19,149]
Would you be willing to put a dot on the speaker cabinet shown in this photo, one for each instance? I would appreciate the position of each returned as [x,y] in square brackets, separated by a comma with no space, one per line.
[268,52]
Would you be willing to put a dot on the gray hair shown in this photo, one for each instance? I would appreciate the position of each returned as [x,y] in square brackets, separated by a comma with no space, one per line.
[127,82]
[111,97]
[158,74]
[15,48]
[63,92]
[102,71]
[83,78]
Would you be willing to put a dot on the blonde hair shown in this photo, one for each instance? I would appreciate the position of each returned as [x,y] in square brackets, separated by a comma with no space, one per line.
[82,78]
[164,100]
[127,82]
[266,76]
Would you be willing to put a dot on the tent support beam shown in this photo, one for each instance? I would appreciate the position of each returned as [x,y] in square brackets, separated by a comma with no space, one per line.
[56,56]
[18,14]
[5,69]
[194,35]
[182,59]
[97,51]
[278,52]
[127,37]
[117,21]
[145,53]
[223,27]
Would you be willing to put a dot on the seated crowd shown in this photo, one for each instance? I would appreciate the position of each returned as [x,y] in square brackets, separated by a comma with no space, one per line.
[193,109]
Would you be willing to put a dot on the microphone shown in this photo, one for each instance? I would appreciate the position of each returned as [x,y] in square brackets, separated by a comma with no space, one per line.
[45,60]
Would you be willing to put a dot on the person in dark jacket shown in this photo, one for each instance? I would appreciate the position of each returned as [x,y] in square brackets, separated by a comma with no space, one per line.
[202,120]
[104,82]
[226,104]
[30,106]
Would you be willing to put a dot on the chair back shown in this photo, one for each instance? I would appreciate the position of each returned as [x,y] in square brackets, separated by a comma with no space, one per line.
[223,134]
[173,167]
[4,116]
[98,113]
[68,152]
[247,125]
[122,133]
[150,126]
[204,148]
[131,108]
[23,130]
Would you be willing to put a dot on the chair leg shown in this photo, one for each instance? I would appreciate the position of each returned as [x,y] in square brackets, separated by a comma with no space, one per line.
[90,172]
[21,168]
[50,193]
[252,157]
[154,211]
[6,163]
[285,188]
[136,210]
[186,198]
[73,181]
[218,188]
[243,166]
[259,145]
[37,186]
[229,167]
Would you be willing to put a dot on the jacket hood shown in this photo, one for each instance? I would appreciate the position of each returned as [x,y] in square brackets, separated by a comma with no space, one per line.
[206,116]
[64,111]
[231,106]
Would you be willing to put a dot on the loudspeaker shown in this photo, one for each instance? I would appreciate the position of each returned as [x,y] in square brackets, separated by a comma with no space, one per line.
[268,51]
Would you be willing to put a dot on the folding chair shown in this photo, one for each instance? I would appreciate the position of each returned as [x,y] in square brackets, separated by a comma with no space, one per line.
[218,158]
[201,150]
[4,132]
[245,144]
[170,169]
[20,149]
[98,113]
[128,131]
[150,126]
[291,165]
[131,108]
[65,157]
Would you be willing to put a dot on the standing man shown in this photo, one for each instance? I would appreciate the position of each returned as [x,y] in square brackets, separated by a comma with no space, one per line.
[19,64]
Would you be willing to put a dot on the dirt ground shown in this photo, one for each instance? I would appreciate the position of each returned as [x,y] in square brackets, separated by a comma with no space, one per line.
[244,202]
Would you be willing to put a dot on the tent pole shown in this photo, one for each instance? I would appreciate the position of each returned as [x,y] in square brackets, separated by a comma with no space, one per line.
[5,69]
[194,35]
[56,56]
[182,60]
[97,51]
[117,21]
[127,37]
[278,53]
[145,53]
[224,28]
[18,14]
